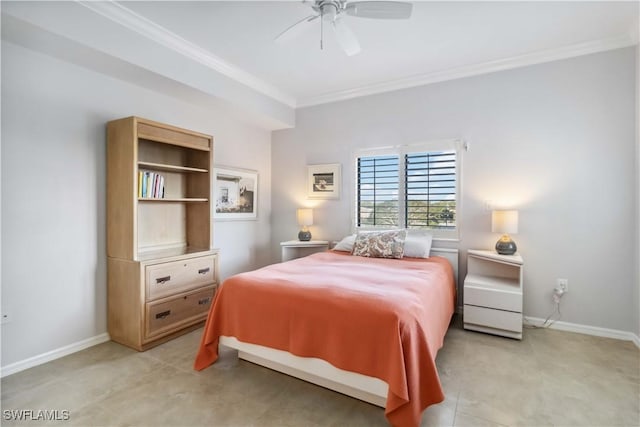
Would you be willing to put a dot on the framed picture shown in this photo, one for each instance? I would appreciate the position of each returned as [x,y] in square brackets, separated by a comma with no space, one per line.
[235,194]
[324,181]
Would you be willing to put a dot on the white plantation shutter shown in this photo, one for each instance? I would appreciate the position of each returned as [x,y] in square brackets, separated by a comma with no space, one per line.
[416,186]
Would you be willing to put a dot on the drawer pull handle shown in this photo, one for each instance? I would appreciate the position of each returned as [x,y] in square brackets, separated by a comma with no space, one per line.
[163,314]
[204,270]
[162,280]
[204,301]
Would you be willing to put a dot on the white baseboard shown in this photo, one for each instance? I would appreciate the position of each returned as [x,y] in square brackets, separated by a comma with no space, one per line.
[589,330]
[52,355]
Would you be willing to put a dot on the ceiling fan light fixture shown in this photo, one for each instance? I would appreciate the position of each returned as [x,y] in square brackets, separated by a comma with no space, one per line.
[346,38]
[329,11]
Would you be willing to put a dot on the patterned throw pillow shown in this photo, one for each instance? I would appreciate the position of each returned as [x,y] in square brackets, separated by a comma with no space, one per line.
[380,244]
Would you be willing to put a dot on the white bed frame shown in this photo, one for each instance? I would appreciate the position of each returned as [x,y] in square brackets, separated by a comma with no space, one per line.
[320,372]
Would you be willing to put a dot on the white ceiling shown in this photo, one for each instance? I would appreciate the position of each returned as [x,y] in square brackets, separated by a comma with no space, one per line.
[441,40]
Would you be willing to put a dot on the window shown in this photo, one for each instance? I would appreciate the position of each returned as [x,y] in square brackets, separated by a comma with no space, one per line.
[413,186]
[378,184]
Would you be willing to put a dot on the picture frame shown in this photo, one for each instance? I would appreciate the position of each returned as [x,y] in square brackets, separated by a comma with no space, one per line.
[235,194]
[324,181]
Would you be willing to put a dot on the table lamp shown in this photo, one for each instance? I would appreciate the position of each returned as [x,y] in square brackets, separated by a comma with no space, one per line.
[505,222]
[305,219]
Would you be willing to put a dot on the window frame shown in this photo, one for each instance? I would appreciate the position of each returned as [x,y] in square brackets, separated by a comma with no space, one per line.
[456,145]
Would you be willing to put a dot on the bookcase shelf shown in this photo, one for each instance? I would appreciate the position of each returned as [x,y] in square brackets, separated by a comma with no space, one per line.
[172,200]
[171,253]
[169,168]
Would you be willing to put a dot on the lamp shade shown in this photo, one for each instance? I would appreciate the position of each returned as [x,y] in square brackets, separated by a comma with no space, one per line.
[504,222]
[305,217]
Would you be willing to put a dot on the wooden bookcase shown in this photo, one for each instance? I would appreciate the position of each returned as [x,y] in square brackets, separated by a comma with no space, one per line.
[162,272]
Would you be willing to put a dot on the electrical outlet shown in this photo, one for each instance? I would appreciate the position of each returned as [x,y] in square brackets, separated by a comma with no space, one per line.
[6,318]
[563,285]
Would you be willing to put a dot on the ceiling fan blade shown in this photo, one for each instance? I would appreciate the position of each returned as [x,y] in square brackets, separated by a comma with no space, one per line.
[379,9]
[296,29]
[345,37]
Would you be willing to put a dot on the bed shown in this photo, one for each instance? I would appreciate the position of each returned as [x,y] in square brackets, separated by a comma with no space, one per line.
[366,327]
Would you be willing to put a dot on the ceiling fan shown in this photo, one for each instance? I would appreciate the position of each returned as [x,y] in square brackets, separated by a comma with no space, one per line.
[331,12]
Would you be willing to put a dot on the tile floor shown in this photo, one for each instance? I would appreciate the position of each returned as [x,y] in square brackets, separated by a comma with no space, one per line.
[550,378]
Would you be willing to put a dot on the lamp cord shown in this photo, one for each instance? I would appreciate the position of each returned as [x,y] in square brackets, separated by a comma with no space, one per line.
[546,324]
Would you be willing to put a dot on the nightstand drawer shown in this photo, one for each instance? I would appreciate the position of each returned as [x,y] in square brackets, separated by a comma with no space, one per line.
[498,319]
[169,278]
[487,297]
[180,311]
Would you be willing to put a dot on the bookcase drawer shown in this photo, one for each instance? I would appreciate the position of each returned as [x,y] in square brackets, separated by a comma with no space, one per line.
[163,280]
[168,315]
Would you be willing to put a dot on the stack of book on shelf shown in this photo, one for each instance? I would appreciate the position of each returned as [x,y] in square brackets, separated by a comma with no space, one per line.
[150,185]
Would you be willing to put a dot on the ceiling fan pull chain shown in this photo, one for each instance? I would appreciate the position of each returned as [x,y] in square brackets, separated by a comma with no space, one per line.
[321,26]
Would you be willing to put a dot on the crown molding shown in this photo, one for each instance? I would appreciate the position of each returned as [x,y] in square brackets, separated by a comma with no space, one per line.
[147,28]
[549,55]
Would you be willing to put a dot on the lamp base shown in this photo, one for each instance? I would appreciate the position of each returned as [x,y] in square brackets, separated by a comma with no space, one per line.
[506,246]
[304,236]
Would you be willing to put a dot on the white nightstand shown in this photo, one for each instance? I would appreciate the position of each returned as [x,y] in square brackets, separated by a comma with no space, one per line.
[493,293]
[297,249]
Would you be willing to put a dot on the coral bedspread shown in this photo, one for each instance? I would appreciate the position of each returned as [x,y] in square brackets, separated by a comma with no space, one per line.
[379,317]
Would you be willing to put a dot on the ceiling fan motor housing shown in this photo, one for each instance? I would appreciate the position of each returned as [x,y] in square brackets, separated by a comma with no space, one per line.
[329,9]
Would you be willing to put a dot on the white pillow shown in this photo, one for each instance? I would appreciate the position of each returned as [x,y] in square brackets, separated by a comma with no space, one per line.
[417,245]
[346,244]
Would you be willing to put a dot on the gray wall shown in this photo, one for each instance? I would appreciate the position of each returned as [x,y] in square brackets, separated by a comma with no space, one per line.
[53,194]
[555,141]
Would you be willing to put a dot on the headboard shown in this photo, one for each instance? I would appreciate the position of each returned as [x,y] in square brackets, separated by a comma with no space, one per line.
[452,256]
